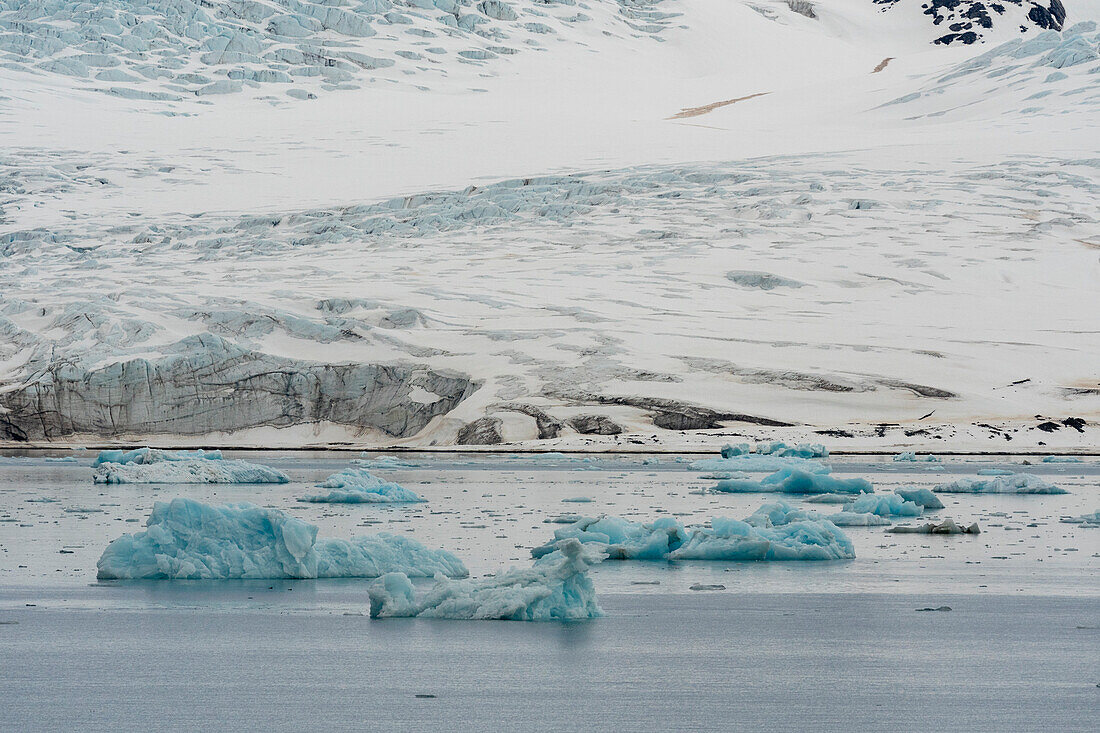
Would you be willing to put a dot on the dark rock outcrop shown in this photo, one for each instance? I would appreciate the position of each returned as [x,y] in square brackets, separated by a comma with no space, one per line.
[207,384]
[595,425]
[483,431]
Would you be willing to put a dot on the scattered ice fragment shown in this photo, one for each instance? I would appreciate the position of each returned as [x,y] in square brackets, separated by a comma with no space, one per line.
[186,539]
[555,588]
[829,499]
[578,500]
[359,486]
[150,465]
[729,451]
[994,472]
[1089,520]
[938,608]
[1017,483]
[857,519]
[1061,459]
[624,540]
[707,586]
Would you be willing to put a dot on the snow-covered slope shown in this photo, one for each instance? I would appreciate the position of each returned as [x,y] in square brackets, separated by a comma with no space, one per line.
[658,217]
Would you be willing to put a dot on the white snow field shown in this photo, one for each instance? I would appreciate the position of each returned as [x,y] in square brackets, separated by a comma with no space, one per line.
[564,225]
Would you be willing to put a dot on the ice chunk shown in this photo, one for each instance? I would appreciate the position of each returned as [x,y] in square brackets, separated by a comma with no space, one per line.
[729,451]
[911,456]
[920,497]
[163,467]
[1017,483]
[947,526]
[1061,459]
[857,519]
[756,462]
[732,540]
[776,531]
[802,450]
[795,481]
[186,539]
[359,486]
[885,505]
[143,456]
[994,472]
[578,500]
[625,540]
[555,588]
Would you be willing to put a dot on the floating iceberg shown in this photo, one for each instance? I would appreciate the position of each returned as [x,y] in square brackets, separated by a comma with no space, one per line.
[1017,483]
[885,505]
[802,450]
[625,540]
[359,486]
[186,539]
[857,519]
[729,451]
[776,531]
[911,456]
[1061,459]
[555,588]
[578,500]
[153,466]
[757,462]
[795,481]
[947,526]
[994,472]
[920,497]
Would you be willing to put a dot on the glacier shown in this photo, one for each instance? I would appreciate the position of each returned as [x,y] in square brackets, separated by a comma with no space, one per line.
[188,540]
[795,481]
[154,466]
[556,587]
[359,486]
[1017,483]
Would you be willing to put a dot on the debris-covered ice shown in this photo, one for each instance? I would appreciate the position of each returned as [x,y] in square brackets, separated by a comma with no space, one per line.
[153,466]
[555,588]
[947,526]
[359,486]
[1017,483]
[186,539]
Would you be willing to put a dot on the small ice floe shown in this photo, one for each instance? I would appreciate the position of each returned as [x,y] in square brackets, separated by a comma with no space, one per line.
[1087,520]
[578,500]
[1061,459]
[563,519]
[383,462]
[795,481]
[802,450]
[1017,483]
[153,466]
[857,519]
[359,486]
[556,587]
[995,472]
[910,456]
[776,531]
[707,586]
[186,539]
[947,526]
[937,608]
[920,497]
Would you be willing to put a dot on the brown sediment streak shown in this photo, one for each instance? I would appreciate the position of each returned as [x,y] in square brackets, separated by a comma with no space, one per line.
[882,64]
[696,111]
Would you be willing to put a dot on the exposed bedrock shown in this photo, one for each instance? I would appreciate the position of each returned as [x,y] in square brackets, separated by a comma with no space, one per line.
[595,425]
[669,414]
[206,384]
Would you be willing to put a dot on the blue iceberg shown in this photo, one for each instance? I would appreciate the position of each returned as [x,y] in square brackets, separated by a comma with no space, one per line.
[1017,483]
[795,481]
[555,588]
[857,519]
[359,486]
[1061,459]
[802,450]
[776,531]
[153,466]
[921,497]
[186,539]
[885,505]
